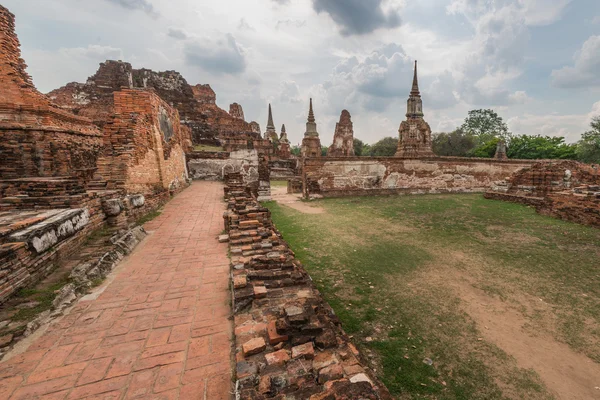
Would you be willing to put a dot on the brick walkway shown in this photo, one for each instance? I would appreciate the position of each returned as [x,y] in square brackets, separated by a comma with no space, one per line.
[160,330]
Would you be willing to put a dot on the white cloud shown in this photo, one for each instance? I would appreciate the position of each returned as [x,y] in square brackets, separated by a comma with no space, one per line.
[95,52]
[585,72]
[571,126]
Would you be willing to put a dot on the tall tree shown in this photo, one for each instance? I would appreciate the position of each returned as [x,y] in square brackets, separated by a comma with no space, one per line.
[358,147]
[456,143]
[386,147]
[485,125]
[588,148]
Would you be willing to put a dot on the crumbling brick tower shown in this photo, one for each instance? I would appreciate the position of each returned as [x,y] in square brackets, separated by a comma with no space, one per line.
[415,133]
[38,139]
[343,138]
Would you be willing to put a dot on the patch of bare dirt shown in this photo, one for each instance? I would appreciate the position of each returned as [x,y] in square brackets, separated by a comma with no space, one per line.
[567,374]
[280,195]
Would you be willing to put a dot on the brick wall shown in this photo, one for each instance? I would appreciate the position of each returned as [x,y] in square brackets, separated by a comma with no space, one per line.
[37,138]
[358,176]
[144,145]
[564,189]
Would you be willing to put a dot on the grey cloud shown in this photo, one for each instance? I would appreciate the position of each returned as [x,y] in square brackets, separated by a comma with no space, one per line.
[358,17]
[143,5]
[220,56]
[177,34]
[585,71]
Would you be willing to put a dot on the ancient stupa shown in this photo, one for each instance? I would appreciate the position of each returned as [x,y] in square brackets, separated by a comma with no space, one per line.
[415,133]
[311,144]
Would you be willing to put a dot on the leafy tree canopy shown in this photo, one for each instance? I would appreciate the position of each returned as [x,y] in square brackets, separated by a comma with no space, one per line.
[588,148]
[485,125]
[386,147]
[541,147]
[456,143]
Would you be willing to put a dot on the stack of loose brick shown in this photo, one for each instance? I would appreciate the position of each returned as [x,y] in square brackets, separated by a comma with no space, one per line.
[289,342]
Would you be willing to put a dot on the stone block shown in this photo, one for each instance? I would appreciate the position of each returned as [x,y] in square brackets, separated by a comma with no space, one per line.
[254,346]
[331,373]
[306,351]
[274,337]
[240,281]
[277,358]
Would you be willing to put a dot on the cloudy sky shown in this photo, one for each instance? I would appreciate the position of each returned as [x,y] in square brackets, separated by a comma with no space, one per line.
[536,62]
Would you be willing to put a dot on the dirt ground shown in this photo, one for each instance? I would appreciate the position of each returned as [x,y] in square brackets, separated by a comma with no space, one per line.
[568,374]
[280,195]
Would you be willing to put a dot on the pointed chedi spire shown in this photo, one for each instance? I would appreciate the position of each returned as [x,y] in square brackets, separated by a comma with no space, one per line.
[415,85]
[283,137]
[311,114]
[270,123]
[311,124]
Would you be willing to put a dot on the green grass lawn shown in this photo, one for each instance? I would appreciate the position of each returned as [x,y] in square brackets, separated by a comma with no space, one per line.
[388,266]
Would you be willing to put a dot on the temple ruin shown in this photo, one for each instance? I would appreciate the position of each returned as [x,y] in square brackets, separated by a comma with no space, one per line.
[311,144]
[271,132]
[564,189]
[343,138]
[415,133]
[103,158]
[196,104]
[104,154]
[284,149]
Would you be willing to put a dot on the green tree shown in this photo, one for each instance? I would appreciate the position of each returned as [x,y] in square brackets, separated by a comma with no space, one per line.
[296,150]
[358,147]
[456,143]
[540,147]
[485,125]
[486,149]
[324,151]
[386,147]
[588,148]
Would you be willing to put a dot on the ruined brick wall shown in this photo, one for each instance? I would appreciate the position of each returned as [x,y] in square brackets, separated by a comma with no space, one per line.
[38,138]
[564,189]
[284,169]
[196,104]
[288,341]
[214,166]
[387,175]
[144,150]
[545,177]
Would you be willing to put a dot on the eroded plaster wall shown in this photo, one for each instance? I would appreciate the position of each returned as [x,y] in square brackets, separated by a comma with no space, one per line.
[214,166]
[386,175]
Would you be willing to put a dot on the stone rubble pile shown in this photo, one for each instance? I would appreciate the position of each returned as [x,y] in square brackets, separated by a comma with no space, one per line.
[289,342]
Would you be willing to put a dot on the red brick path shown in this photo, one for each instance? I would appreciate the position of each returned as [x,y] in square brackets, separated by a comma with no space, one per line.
[160,330]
